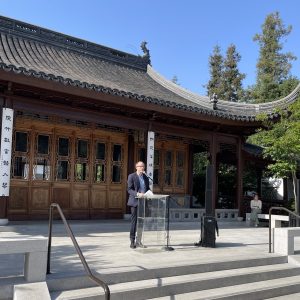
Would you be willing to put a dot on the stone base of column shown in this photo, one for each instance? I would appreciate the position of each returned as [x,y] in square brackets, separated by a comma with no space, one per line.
[3,222]
[3,210]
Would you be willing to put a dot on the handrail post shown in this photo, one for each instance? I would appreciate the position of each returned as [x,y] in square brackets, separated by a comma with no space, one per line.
[270,216]
[49,238]
[77,248]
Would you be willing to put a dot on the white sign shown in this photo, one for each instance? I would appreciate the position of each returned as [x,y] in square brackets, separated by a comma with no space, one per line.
[150,157]
[5,154]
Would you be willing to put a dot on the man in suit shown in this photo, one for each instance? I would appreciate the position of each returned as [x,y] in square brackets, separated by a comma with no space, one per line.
[137,186]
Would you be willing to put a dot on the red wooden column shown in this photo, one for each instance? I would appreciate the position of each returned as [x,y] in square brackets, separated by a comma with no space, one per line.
[239,190]
[130,165]
[213,151]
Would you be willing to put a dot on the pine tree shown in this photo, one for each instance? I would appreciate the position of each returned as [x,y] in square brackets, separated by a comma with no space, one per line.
[215,84]
[225,78]
[232,78]
[273,67]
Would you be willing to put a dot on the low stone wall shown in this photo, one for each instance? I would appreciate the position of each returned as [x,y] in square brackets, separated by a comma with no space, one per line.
[34,249]
[194,214]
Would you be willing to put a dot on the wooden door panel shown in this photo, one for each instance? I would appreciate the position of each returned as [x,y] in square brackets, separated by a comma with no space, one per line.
[167,190]
[116,199]
[98,198]
[80,198]
[39,198]
[178,191]
[61,196]
[18,198]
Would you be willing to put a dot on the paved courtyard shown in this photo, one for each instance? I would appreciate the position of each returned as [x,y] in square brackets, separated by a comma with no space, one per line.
[105,244]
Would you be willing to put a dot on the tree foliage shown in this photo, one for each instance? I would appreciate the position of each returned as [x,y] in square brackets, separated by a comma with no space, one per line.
[225,77]
[280,141]
[232,78]
[273,66]
[215,84]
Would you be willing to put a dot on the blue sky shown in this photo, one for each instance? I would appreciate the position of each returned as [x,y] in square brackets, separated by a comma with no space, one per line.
[180,34]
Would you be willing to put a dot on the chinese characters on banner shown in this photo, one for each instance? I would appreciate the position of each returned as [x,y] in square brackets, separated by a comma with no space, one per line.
[150,156]
[5,154]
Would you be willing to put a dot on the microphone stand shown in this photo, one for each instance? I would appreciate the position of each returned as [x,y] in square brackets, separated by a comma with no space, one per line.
[148,176]
[168,248]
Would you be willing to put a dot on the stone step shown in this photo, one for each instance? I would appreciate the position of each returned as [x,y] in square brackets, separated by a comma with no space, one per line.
[280,288]
[165,286]
[67,281]
[295,296]
[7,286]
[31,291]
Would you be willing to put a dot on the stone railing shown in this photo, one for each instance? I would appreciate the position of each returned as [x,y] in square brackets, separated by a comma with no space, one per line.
[195,214]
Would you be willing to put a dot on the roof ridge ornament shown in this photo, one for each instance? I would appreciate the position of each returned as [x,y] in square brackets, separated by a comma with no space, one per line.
[214,100]
[146,51]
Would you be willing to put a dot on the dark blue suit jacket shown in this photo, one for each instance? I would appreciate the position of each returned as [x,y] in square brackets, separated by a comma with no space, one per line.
[133,185]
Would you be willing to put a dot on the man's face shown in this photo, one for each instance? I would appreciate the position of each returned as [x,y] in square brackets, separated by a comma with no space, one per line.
[140,167]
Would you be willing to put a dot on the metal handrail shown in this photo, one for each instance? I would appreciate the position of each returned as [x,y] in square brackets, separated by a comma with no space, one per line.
[270,216]
[77,248]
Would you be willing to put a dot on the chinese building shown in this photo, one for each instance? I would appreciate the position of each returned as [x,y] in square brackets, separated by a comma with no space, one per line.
[80,115]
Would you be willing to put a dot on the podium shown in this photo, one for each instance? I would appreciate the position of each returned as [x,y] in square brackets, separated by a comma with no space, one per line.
[153,221]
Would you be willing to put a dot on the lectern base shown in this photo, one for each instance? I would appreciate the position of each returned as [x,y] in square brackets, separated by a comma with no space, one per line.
[140,245]
[167,248]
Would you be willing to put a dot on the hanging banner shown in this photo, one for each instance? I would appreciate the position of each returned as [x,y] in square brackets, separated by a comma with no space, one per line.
[5,154]
[150,157]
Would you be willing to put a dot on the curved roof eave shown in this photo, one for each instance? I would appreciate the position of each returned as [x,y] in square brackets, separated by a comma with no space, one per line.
[251,110]
[115,92]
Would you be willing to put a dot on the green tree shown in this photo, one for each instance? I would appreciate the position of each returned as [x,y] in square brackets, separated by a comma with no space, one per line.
[215,84]
[232,78]
[281,143]
[225,77]
[273,66]
[288,85]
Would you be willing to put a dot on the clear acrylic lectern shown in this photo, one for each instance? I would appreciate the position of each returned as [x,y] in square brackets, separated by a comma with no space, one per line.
[153,221]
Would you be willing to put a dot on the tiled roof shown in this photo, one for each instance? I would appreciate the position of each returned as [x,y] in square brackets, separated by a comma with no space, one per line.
[252,149]
[41,53]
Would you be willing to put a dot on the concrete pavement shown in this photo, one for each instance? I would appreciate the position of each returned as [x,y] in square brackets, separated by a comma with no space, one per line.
[105,245]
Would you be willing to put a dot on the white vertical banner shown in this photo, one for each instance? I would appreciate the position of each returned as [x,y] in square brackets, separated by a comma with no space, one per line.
[150,157]
[5,154]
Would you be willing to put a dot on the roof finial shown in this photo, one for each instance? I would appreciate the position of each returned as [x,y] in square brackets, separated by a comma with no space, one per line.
[146,51]
[214,100]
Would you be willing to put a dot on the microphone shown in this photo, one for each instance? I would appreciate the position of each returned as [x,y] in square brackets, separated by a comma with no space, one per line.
[148,176]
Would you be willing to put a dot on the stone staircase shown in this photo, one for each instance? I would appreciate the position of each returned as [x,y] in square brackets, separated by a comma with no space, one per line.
[268,277]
